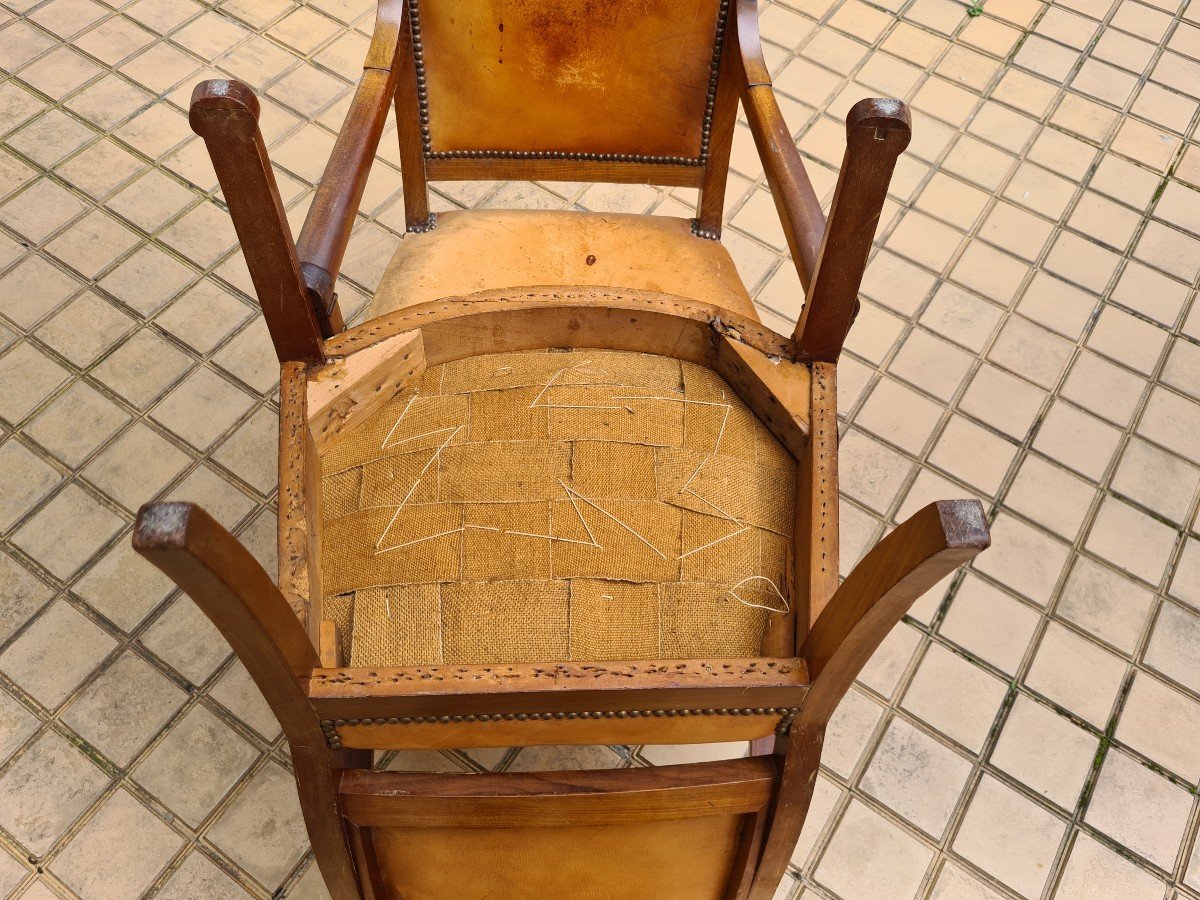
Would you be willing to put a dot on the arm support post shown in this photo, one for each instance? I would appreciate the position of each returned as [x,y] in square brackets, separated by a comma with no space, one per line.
[240,599]
[876,595]
[795,200]
[225,115]
[326,232]
[877,131]
[922,550]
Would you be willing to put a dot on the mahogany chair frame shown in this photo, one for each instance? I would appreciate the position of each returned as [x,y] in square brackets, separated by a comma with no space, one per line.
[333,378]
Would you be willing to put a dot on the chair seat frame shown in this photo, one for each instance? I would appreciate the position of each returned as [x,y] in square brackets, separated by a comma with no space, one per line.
[333,378]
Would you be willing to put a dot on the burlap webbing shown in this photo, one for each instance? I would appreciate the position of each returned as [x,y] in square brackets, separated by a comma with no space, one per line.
[554,505]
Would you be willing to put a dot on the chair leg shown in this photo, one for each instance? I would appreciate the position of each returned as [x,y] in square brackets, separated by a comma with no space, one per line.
[877,131]
[318,774]
[862,612]
[225,114]
[231,588]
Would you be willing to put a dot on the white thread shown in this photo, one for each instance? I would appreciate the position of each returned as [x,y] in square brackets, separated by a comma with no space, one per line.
[733,534]
[618,521]
[415,437]
[422,540]
[396,424]
[707,502]
[582,520]
[778,593]
[411,490]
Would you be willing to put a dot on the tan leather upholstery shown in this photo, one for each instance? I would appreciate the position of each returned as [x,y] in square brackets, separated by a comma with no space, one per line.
[481,250]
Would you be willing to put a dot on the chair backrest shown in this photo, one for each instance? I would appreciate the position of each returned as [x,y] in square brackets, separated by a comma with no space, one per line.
[624,91]
[674,831]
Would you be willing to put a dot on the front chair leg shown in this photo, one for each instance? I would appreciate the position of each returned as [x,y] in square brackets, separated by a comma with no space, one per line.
[225,114]
[877,131]
[870,602]
[240,599]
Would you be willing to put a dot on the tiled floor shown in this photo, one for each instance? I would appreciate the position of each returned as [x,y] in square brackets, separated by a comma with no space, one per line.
[1027,336]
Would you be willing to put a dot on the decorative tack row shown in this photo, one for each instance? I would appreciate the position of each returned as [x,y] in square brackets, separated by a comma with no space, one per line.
[331,726]
[414,18]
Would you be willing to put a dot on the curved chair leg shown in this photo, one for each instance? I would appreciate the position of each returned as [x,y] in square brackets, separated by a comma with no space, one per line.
[870,602]
[231,588]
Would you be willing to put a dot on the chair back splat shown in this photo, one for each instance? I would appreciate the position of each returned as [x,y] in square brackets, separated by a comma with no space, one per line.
[562,485]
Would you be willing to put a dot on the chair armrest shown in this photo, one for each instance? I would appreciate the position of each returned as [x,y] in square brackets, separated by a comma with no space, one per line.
[876,595]
[326,232]
[240,599]
[795,200]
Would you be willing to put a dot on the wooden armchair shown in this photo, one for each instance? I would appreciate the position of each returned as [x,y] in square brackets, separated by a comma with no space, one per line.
[562,486]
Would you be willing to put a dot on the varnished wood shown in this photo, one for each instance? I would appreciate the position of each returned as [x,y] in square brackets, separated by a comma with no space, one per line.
[408,132]
[891,577]
[299,534]
[795,200]
[607,171]
[672,831]
[575,797]
[330,647]
[537,318]
[225,115]
[598,98]
[345,391]
[710,205]
[877,131]
[240,599]
[870,602]
[816,535]
[709,729]
[532,77]
[557,687]
[508,249]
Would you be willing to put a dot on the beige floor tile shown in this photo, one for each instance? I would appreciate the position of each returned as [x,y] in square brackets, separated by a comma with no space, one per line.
[1003,401]
[123,708]
[864,848]
[212,754]
[1171,420]
[1149,704]
[119,852]
[900,415]
[1076,674]
[1104,388]
[261,829]
[67,531]
[1092,863]
[1133,540]
[1108,605]
[24,480]
[1045,752]
[1009,837]
[916,777]
[48,787]
[199,877]
[1172,647]
[989,624]
[184,639]
[1077,439]
[1050,496]
[1140,809]
[850,730]
[954,696]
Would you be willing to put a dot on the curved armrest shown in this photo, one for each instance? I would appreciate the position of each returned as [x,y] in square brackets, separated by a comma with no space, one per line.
[876,595]
[240,599]
[326,232]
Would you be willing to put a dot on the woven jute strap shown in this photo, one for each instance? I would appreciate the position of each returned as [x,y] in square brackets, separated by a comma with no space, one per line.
[553,505]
